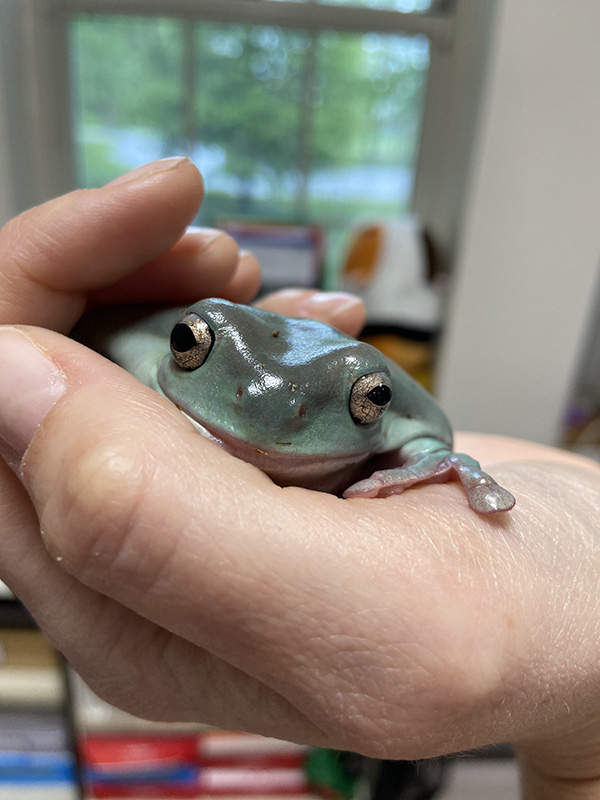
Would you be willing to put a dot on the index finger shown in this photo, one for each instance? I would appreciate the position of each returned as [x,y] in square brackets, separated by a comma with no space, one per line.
[54,254]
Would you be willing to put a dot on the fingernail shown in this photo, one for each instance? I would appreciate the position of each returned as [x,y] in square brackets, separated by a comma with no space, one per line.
[206,235]
[336,302]
[147,170]
[210,232]
[30,387]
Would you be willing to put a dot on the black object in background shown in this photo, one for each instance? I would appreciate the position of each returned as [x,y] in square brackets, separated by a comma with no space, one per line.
[408,780]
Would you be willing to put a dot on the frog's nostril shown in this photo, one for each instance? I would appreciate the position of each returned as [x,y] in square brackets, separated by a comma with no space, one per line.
[302,411]
[240,393]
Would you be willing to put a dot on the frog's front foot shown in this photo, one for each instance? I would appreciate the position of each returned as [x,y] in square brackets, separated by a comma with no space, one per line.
[484,495]
[490,498]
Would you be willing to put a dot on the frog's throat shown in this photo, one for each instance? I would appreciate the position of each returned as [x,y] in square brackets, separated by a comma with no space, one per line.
[326,473]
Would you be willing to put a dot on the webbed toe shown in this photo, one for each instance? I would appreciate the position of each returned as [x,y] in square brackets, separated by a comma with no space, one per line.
[489,499]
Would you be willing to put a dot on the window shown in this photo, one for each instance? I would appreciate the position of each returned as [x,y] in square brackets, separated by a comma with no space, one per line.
[286,125]
[301,111]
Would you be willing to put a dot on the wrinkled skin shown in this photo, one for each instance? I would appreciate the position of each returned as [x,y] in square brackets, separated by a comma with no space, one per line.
[183,584]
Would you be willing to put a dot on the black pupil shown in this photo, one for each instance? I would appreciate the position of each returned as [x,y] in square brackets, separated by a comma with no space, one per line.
[380,395]
[182,338]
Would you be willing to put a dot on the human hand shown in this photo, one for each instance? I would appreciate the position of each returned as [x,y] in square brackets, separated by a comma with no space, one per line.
[182,584]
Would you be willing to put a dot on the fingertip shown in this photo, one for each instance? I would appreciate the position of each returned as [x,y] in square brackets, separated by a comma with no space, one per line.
[212,257]
[340,309]
[179,168]
[285,301]
[176,180]
[246,279]
[348,313]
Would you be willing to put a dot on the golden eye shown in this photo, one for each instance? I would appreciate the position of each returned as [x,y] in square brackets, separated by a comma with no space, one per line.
[370,397]
[191,341]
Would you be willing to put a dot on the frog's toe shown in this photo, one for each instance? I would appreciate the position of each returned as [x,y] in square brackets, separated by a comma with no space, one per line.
[370,487]
[489,499]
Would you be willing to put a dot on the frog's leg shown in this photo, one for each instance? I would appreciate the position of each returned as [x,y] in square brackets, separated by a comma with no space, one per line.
[428,460]
[484,494]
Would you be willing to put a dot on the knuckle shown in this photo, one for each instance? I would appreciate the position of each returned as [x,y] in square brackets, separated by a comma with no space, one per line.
[93,520]
[32,240]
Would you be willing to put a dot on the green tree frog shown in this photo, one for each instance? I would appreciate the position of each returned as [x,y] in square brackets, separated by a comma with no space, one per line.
[307,404]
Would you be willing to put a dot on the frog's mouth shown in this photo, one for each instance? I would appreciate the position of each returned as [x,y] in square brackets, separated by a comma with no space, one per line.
[204,431]
[325,473]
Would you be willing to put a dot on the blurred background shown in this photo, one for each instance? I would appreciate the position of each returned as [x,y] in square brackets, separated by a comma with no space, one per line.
[439,157]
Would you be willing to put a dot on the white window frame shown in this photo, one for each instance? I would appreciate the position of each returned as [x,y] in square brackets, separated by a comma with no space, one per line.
[37,113]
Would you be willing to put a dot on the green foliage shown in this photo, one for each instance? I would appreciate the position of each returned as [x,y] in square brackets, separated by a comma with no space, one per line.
[278,105]
[273,100]
[328,772]
[97,164]
[128,71]
[248,96]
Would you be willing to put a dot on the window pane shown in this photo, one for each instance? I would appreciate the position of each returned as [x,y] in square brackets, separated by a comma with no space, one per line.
[366,126]
[248,114]
[127,93]
[286,126]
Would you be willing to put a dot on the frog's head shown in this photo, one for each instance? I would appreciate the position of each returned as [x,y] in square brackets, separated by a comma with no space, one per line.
[295,397]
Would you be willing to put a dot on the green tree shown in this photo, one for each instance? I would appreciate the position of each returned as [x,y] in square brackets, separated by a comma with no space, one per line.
[277,103]
[248,97]
[129,73]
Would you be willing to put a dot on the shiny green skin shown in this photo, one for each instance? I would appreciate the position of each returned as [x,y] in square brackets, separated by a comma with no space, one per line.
[275,392]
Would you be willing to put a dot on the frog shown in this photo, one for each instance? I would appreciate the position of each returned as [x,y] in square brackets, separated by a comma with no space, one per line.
[305,403]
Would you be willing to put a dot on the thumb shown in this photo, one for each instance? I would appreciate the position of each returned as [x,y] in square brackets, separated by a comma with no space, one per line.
[132,501]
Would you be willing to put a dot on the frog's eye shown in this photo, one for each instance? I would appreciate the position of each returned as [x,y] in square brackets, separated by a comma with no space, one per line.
[370,397]
[191,341]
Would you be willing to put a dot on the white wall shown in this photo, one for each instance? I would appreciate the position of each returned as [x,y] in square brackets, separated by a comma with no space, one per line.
[589,377]
[6,207]
[35,138]
[529,248]
[7,200]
